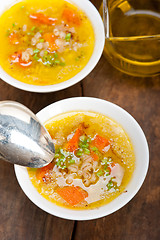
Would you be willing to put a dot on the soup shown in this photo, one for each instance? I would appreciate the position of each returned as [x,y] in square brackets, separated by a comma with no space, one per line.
[94,161]
[45,42]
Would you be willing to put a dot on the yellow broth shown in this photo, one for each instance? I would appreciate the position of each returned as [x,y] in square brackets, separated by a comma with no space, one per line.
[48,50]
[95,176]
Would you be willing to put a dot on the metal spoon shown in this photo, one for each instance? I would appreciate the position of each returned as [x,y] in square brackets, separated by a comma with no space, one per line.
[23,139]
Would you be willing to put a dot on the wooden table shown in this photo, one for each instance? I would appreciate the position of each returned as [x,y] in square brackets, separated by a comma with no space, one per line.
[20,219]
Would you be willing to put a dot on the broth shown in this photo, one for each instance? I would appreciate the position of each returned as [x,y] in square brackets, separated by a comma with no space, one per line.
[93,163]
[45,42]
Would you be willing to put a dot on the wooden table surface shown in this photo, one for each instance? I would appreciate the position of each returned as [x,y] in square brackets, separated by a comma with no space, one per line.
[20,219]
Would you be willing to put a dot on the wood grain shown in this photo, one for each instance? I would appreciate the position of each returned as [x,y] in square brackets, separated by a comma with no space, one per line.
[139,219]
[20,219]
[37,101]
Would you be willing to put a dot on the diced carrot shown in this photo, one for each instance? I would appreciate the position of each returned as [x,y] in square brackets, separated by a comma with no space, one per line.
[13,38]
[17,58]
[100,142]
[83,192]
[72,144]
[50,38]
[73,195]
[71,16]
[42,171]
[94,155]
[42,18]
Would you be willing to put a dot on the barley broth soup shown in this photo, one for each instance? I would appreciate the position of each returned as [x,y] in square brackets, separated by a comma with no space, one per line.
[45,42]
[93,163]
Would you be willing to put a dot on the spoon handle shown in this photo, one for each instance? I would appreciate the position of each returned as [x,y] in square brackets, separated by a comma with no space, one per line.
[106,18]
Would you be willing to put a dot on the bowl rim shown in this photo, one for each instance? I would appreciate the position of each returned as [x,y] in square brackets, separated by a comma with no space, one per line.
[142,157]
[90,10]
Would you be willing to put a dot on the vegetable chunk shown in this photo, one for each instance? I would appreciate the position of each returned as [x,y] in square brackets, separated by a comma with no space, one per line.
[71,16]
[73,195]
[17,58]
[42,19]
[42,171]
[100,142]
[94,156]
[72,144]
[50,38]
[13,38]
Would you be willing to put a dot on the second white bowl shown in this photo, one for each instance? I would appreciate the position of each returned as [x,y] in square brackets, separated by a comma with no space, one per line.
[98,27]
[136,136]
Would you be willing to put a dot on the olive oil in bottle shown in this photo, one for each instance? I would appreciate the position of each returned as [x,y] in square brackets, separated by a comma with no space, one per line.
[133,45]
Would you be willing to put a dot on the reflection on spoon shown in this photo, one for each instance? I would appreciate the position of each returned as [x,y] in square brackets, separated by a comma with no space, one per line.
[23,139]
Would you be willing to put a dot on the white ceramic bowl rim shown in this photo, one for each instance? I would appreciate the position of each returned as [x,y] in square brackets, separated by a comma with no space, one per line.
[138,140]
[97,24]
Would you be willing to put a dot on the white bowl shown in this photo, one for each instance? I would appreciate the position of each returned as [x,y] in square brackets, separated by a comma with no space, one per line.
[137,138]
[98,27]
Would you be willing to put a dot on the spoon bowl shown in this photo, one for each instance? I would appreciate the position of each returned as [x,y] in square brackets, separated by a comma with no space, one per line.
[23,139]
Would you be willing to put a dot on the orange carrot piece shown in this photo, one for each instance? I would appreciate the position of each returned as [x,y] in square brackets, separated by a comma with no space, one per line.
[13,38]
[72,144]
[50,38]
[71,16]
[94,155]
[83,192]
[100,142]
[72,195]
[17,58]
[42,18]
[42,171]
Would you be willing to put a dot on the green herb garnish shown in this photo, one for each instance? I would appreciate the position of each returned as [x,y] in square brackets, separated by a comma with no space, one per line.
[68,37]
[33,28]
[71,161]
[107,171]
[61,163]
[110,185]
[56,155]
[83,145]
[86,151]
[79,152]
[56,55]
[41,40]
[36,51]
[36,57]
[100,173]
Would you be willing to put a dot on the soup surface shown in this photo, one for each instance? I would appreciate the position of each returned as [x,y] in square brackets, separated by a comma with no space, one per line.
[45,42]
[93,163]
